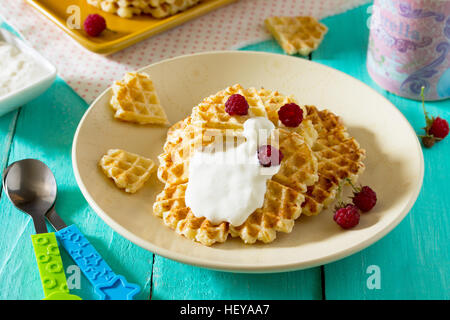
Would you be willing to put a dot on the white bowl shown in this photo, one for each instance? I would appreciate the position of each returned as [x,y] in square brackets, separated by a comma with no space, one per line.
[34,89]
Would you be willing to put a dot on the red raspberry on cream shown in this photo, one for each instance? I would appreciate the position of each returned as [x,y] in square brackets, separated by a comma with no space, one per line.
[269,156]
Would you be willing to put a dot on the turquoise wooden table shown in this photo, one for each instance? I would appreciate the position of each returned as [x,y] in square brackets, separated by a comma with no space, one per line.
[413,261]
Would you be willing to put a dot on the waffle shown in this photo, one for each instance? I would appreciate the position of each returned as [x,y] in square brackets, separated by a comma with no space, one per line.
[339,158]
[210,114]
[170,206]
[123,8]
[282,205]
[156,8]
[134,99]
[284,193]
[300,35]
[182,139]
[273,101]
[171,7]
[299,166]
[282,201]
[128,170]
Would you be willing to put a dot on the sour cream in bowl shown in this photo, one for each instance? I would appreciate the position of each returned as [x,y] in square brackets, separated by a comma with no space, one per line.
[24,73]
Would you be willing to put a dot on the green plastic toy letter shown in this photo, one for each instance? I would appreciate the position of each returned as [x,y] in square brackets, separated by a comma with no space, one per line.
[50,265]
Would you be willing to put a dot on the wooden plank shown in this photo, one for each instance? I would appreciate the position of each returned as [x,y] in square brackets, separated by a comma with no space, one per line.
[414,259]
[44,131]
[173,280]
[7,126]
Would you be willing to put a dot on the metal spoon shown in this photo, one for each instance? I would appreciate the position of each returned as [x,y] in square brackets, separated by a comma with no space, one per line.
[39,178]
[32,192]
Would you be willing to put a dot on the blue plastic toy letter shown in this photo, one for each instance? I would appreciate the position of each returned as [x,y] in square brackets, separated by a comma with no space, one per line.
[107,284]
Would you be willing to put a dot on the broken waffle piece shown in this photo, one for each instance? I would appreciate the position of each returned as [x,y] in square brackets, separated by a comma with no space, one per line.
[128,170]
[300,35]
[134,99]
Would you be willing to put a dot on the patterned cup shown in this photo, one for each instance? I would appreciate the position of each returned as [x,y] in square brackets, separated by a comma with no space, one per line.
[409,47]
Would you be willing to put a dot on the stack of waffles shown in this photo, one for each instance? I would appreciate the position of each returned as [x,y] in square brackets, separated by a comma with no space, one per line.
[156,8]
[319,156]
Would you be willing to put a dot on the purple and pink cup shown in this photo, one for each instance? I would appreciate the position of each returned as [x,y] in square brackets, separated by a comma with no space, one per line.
[409,47]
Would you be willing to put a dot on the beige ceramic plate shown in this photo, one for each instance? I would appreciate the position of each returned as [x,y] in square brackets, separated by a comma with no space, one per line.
[394,160]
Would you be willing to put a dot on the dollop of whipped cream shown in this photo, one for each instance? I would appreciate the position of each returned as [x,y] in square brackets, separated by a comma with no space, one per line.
[229,185]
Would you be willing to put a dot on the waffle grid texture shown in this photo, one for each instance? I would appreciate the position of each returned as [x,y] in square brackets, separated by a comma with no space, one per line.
[134,99]
[297,35]
[128,170]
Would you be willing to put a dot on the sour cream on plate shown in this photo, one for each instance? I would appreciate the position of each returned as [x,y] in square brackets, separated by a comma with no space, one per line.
[229,185]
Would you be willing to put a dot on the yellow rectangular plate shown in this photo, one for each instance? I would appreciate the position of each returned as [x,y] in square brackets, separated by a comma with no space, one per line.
[121,32]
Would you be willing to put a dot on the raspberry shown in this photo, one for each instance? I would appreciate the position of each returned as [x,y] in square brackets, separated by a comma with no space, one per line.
[439,128]
[347,217]
[365,199]
[269,156]
[236,105]
[428,141]
[94,25]
[436,128]
[291,115]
